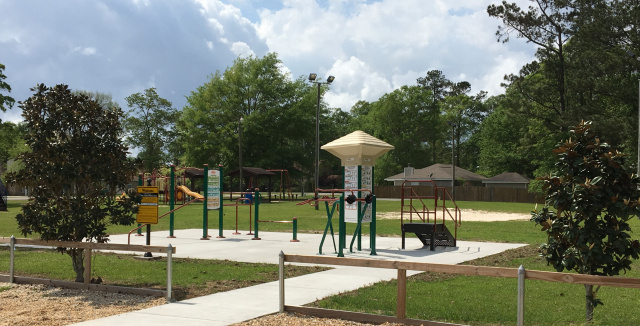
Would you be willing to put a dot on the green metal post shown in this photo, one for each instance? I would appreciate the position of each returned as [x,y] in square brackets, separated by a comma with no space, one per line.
[220,210]
[256,202]
[372,231]
[342,232]
[359,208]
[342,236]
[172,193]
[295,230]
[205,212]
[139,184]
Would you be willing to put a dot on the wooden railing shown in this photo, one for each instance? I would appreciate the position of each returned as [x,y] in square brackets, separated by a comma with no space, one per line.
[403,266]
[88,247]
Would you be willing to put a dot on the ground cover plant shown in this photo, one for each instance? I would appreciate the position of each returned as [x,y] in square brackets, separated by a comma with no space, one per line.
[191,277]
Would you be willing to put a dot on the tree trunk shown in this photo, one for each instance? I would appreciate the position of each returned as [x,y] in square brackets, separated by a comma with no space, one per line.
[589,310]
[77,258]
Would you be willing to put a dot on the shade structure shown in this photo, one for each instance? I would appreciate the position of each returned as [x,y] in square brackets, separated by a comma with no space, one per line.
[357,148]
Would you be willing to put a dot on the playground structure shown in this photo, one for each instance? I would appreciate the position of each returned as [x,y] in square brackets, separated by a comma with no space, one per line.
[251,180]
[419,215]
[212,193]
[340,203]
[283,193]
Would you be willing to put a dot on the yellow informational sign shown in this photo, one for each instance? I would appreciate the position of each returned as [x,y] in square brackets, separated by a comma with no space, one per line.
[148,207]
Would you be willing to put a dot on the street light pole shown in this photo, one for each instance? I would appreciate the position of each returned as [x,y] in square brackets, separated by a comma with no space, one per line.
[240,151]
[312,79]
[317,160]
[453,160]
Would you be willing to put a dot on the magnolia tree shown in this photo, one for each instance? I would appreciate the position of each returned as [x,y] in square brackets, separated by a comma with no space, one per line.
[590,199]
[76,169]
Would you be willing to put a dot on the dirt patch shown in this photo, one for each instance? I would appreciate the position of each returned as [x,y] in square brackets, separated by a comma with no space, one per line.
[300,320]
[24,304]
[467,215]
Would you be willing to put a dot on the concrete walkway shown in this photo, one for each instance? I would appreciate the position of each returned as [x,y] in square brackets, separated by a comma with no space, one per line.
[235,306]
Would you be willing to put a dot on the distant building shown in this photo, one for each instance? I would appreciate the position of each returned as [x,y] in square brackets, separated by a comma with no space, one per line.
[441,174]
[507,180]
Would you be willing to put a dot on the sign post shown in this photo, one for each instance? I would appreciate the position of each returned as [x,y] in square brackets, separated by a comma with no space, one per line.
[205,210]
[148,210]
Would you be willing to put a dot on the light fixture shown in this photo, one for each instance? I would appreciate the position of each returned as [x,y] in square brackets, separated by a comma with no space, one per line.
[312,79]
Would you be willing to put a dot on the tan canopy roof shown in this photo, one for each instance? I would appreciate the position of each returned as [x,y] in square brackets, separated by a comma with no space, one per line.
[358,148]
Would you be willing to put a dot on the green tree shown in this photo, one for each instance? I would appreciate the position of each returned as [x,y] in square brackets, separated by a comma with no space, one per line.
[548,24]
[590,199]
[278,118]
[11,142]
[105,100]
[405,118]
[582,70]
[75,168]
[500,141]
[5,100]
[465,114]
[150,127]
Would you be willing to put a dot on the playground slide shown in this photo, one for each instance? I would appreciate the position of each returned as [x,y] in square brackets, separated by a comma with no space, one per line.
[190,193]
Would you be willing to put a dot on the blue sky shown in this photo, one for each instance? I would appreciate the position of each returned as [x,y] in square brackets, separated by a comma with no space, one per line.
[372,47]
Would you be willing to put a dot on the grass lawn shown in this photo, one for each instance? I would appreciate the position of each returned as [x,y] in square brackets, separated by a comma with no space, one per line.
[191,277]
[447,298]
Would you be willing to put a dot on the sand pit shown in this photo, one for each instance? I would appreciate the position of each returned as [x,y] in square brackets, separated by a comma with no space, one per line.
[469,215]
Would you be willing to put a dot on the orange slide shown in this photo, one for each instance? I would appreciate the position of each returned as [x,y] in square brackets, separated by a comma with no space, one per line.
[190,193]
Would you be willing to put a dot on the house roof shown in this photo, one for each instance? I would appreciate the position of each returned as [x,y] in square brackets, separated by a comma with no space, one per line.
[250,171]
[438,172]
[508,177]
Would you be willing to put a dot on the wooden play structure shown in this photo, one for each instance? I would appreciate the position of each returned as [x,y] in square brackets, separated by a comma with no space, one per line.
[426,211]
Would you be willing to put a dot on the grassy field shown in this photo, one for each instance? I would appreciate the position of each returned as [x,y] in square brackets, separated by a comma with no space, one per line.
[457,299]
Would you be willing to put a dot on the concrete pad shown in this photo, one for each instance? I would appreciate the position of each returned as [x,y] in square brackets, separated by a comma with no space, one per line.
[235,306]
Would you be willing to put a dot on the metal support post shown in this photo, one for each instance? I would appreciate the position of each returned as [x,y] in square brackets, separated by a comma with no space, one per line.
[372,227]
[205,212]
[12,249]
[139,184]
[521,275]
[172,192]
[169,271]
[295,230]
[220,210]
[281,279]
[342,229]
[256,201]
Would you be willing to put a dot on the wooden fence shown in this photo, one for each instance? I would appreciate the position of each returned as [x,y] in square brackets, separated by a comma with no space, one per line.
[468,193]
[88,247]
[403,266]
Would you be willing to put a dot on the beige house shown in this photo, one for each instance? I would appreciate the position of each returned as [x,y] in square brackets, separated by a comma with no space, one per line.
[507,180]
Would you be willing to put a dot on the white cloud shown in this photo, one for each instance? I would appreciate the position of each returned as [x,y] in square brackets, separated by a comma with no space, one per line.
[395,42]
[371,47]
[242,49]
[85,50]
